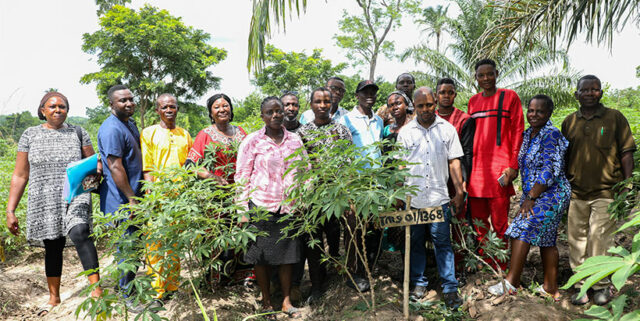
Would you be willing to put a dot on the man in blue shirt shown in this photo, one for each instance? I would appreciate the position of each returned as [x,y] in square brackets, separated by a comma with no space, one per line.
[366,129]
[119,145]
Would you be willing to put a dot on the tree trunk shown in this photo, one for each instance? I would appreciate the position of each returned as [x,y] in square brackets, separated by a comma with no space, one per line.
[372,65]
[143,109]
[437,42]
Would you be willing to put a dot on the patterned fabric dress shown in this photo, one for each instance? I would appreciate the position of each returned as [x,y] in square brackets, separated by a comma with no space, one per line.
[541,161]
[211,135]
[50,150]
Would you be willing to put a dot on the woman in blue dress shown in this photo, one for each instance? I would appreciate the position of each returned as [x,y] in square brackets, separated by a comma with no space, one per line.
[545,199]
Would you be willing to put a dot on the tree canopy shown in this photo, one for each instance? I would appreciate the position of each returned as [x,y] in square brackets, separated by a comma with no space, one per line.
[294,71]
[151,52]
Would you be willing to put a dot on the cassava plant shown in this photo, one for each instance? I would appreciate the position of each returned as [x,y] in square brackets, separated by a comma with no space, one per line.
[338,181]
[180,218]
[624,262]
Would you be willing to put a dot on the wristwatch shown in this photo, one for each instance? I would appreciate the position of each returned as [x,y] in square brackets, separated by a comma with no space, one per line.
[529,198]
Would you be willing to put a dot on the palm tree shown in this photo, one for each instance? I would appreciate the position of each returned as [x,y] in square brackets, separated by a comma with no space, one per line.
[260,27]
[434,21]
[525,21]
[516,64]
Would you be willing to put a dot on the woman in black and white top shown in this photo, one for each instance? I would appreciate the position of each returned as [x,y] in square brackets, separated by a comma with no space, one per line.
[44,151]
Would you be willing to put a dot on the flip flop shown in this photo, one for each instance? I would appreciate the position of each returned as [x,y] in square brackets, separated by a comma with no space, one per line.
[540,290]
[44,309]
[268,314]
[293,312]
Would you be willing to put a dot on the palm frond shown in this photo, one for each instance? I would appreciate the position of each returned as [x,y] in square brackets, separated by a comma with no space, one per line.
[260,27]
[524,21]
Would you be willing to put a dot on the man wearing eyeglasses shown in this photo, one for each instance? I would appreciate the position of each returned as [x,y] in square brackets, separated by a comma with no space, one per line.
[337,88]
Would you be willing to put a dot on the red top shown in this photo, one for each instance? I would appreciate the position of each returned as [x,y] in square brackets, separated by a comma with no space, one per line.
[492,153]
[457,118]
[211,135]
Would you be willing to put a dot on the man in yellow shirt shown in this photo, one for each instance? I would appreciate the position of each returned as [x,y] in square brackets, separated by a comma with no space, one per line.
[164,145]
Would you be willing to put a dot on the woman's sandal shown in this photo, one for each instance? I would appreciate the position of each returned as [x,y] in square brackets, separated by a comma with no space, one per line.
[540,290]
[45,309]
[293,312]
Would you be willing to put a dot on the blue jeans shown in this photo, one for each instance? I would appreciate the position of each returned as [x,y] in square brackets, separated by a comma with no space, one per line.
[126,277]
[444,253]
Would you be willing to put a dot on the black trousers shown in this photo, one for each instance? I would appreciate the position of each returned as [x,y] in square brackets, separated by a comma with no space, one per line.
[80,235]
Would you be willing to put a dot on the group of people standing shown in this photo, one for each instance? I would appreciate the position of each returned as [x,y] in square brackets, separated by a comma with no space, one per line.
[463,162]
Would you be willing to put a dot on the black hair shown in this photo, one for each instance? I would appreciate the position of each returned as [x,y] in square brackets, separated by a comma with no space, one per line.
[406,74]
[548,102]
[317,90]
[115,88]
[485,61]
[588,77]
[213,99]
[270,99]
[443,81]
[335,78]
[286,93]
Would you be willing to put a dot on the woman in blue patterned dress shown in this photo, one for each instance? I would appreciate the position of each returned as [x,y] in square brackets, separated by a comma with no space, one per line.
[546,192]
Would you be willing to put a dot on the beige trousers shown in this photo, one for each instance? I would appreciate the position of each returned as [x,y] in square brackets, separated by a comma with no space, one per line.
[590,232]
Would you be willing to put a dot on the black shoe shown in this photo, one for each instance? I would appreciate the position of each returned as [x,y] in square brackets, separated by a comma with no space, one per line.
[417,293]
[452,300]
[359,283]
[602,296]
[315,297]
[132,307]
[462,278]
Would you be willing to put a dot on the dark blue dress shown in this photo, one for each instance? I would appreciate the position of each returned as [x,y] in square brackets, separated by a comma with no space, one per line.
[541,160]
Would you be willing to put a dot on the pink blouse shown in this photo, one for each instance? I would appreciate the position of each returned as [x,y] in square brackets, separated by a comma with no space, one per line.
[261,166]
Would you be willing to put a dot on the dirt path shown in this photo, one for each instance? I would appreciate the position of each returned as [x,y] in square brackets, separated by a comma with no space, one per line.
[23,289]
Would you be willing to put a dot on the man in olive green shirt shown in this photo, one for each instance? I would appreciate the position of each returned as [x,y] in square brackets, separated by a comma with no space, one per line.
[600,155]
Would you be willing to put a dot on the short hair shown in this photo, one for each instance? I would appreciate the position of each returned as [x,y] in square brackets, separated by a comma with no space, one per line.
[406,74]
[588,77]
[443,81]
[163,96]
[115,88]
[424,91]
[46,98]
[335,78]
[485,61]
[548,102]
[317,90]
[270,99]
[286,93]
[213,99]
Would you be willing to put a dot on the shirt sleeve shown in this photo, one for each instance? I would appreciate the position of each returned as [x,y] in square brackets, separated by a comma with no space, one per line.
[24,141]
[454,147]
[147,149]
[517,127]
[244,168]
[196,153]
[86,139]
[624,137]
[112,142]
[551,158]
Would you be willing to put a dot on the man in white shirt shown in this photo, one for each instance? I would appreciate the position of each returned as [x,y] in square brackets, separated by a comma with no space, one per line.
[433,149]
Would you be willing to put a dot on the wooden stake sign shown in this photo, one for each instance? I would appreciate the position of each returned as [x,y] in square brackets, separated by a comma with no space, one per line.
[407,218]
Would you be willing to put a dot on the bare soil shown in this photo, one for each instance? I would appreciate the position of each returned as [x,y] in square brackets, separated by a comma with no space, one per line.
[23,290]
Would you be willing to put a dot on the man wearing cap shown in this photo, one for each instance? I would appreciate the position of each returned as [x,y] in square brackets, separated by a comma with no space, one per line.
[366,129]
